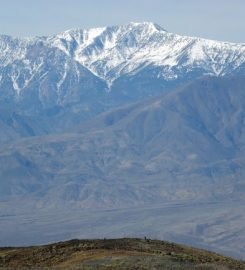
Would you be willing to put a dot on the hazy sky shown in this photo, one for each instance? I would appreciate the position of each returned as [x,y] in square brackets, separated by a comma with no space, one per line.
[215,19]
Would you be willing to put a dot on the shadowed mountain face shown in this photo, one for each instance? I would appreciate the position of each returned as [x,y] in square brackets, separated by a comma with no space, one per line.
[165,149]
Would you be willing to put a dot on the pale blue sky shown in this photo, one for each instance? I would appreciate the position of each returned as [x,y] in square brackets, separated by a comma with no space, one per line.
[214,19]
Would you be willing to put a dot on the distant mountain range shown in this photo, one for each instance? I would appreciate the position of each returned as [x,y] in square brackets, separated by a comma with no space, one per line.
[123,117]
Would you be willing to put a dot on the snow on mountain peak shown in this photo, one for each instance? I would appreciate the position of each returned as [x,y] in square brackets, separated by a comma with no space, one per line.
[110,52]
[103,49]
[145,25]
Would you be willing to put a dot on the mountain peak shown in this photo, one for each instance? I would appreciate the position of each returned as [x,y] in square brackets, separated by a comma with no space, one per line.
[149,25]
[115,51]
[131,25]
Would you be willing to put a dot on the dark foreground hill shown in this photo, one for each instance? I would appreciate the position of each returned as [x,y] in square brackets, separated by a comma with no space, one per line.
[122,253]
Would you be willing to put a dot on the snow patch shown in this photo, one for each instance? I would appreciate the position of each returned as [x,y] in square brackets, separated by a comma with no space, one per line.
[14,79]
[61,81]
[91,34]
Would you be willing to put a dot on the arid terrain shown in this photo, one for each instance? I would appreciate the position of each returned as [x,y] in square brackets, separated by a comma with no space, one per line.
[122,253]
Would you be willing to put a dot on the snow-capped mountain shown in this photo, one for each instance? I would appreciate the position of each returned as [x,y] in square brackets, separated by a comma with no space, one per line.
[65,79]
[112,52]
[163,150]
[81,73]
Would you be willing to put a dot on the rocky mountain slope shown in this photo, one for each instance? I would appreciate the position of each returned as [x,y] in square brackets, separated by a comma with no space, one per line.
[164,149]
